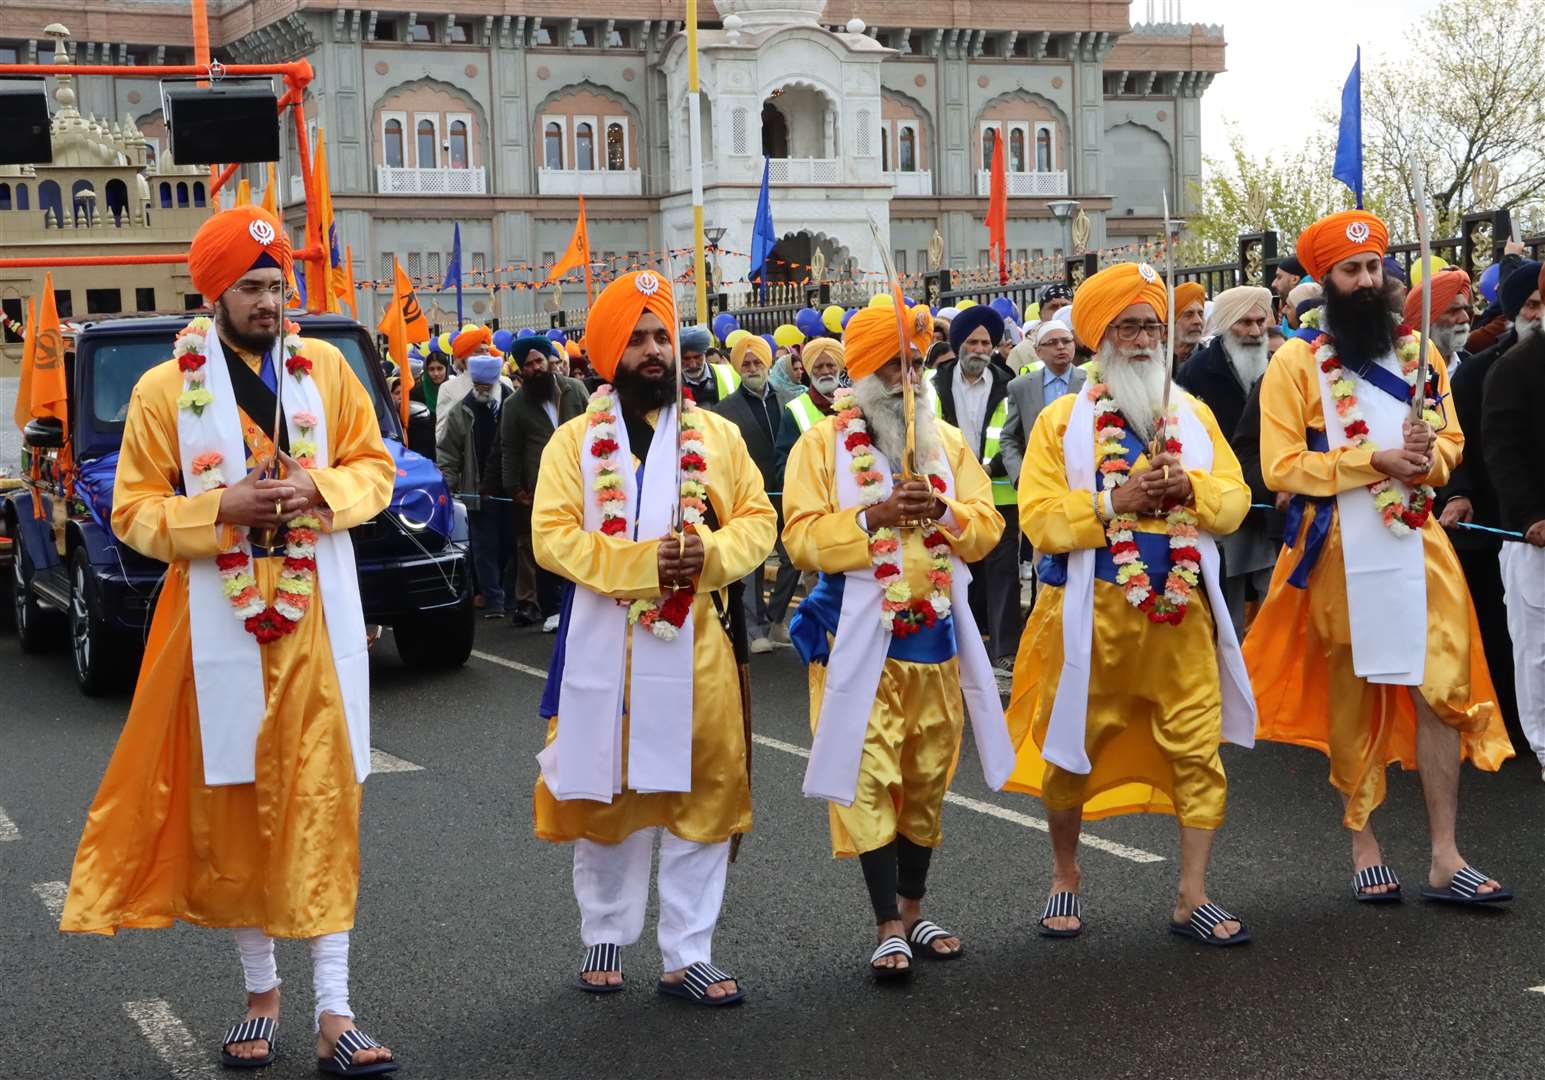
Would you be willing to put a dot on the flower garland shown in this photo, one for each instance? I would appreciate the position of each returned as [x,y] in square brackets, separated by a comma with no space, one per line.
[1401,515]
[662,616]
[1111,462]
[900,612]
[297,577]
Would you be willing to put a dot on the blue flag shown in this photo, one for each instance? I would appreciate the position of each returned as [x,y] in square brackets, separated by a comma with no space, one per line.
[763,236]
[1349,142]
[453,273]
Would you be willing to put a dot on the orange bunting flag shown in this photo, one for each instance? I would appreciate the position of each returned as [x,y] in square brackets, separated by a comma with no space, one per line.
[271,192]
[998,210]
[576,255]
[48,393]
[29,344]
[244,192]
[403,324]
[324,280]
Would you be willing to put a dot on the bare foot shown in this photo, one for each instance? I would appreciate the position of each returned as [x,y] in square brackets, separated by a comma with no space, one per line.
[1365,853]
[602,978]
[1443,868]
[258,1005]
[1065,883]
[332,1026]
[912,914]
[890,929]
[1184,908]
[722,988]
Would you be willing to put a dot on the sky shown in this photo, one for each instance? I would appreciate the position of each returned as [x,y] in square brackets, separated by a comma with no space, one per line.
[1287,60]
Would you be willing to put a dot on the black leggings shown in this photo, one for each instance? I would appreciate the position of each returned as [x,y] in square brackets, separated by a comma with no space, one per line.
[900,868]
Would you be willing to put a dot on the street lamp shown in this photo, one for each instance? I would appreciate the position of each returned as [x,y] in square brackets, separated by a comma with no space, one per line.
[1064,211]
[713,234]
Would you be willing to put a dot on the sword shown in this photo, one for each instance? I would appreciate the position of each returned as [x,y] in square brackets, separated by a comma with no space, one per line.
[904,344]
[1424,253]
[678,526]
[270,469]
[1160,432]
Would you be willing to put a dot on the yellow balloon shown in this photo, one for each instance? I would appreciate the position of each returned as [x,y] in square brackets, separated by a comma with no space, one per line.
[469,326]
[831,318]
[965,304]
[1418,270]
[1032,312]
[881,300]
[735,338]
[444,341]
[788,335]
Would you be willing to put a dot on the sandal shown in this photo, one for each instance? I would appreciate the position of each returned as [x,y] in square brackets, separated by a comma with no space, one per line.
[922,936]
[1369,877]
[1200,926]
[1461,890]
[891,946]
[1062,905]
[342,1061]
[600,958]
[258,1027]
[694,986]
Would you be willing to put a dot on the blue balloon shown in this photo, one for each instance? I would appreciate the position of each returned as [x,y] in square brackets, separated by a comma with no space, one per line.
[907,300]
[1006,308]
[503,339]
[1488,283]
[808,322]
[771,344]
[848,314]
[525,331]
[557,335]
[724,324]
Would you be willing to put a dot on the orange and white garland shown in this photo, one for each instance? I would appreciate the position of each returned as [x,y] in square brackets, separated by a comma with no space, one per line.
[1401,516]
[663,616]
[900,612]
[297,579]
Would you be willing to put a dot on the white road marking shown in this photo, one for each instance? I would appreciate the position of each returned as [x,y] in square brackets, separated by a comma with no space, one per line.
[511,664]
[170,1039]
[1536,990]
[381,761]
[52,894]
[8,829]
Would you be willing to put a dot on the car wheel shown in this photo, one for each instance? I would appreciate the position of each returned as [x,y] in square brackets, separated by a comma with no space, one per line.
[442,640]
[36,627]
[98,655]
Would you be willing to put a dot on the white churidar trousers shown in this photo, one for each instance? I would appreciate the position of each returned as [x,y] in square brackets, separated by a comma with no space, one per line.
[329,968]
[1523,582]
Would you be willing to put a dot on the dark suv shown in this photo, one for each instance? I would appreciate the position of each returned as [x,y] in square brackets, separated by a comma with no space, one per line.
[414,566]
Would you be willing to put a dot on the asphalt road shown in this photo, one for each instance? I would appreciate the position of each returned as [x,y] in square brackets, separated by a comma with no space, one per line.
[467,939]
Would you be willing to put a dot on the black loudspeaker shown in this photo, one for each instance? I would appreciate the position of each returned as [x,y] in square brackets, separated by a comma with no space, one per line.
[24,119]
[223,124]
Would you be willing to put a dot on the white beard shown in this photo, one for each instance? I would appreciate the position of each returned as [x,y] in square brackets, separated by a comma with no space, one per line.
[1137,387]
[1527,328]
[1448,339]
[1248,361]
[888,427]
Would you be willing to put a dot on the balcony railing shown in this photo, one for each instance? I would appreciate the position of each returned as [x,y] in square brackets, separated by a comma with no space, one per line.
[393,181]
[917,182]
[1026,184]
[806,171]
[589,182]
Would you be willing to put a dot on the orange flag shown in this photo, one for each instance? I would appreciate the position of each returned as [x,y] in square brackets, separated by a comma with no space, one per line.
[271,192]
[998,210]
[350,297]
[48,394]
[577,254]
[244,192]
[28,348]
[404,323]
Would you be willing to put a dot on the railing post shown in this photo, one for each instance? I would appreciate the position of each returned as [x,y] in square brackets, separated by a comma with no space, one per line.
[1257,258]
[1075,270]
[559,318]
[935,285]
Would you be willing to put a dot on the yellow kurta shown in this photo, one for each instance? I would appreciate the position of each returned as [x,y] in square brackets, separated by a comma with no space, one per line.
[1155,708]
[719,803]
[282,853]
[913,739]
[1299,649]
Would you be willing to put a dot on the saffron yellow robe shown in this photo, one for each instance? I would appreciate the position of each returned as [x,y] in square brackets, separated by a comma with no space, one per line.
[1299,649]
[282,853]
[719,803]
[913,739]
[1155,707]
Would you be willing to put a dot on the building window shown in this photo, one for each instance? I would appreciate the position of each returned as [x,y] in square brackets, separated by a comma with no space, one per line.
[1016,161]
[117,200]
[906,158]
[922,260]
[21,197]
[144,299]
[864,124]
[166,195]
[5,196]
[83,202]
[617,39]
[1043,148]
[616,145]
[552,144]
[989,137]
[885,148]
[584,146]
[901,261]
[192,301]
[388,30]
[415,265]
[388,273]
[198,194]
[423,32]
[461,33]
[391,138]
[580,38]
[479,262]
[426,144]
[541,36]
[458,140]
[434,267]
[51,201]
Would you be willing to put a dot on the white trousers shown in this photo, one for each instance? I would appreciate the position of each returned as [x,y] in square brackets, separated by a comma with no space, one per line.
[329,968]
[611,885]
[1523,582]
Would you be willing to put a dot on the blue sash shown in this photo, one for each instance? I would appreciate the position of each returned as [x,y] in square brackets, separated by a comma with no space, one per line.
[1319,527]
[818,615]
[1153,548]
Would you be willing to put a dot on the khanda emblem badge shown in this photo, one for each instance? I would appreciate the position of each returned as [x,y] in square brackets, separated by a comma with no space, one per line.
[1357,232]
[648,283]
[262,232]
[1149,274]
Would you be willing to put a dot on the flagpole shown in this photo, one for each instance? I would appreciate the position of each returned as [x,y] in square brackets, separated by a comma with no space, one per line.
[695,149]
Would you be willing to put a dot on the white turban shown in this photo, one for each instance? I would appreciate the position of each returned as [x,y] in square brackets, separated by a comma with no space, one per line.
[1045,329]
[948,313]
[1231,305]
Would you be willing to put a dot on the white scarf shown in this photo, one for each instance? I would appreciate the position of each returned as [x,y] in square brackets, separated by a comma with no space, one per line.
[1065,734]
[227,660]
[584,760]
[858,657]
[1386,574]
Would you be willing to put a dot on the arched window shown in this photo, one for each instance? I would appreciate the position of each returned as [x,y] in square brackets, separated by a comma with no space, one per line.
[166,195]
[21,197]
[426,144]
[907,156]
[989,137]
[1017,150]
[198,194]
[182,194]
[459,144]
[392,140]
[51,201]
[552,145]
[117,200]
[885,151]
[1043,150]
[584,147]
[83,201]
[616,147]
[775,132]
[5,196]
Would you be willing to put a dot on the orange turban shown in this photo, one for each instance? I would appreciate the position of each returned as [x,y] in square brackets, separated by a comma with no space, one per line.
[816,348]
[1188,293]
[869,342]
[232,242]
[1338,237]
[615,315]
[464,343]
[1446,284]
[751,344]
[1110,292]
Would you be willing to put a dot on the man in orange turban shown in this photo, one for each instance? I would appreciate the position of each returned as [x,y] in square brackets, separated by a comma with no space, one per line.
[1190,319]
[208,811]
[1129,675]
[1450,313]
[625,674]
[888,633]
[1367,646]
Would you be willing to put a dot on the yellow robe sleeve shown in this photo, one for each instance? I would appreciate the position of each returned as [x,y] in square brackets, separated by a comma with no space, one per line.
[1450,447]
[748,524]
[357,484]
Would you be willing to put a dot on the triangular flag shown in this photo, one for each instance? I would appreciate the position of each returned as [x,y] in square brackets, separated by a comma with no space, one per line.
[271,192]
[28,348]
[403,323]
[998,210]
[323,280]
[577,254]
[348,272]
[244,192]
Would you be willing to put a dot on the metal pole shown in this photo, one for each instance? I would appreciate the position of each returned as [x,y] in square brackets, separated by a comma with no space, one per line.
[695,150]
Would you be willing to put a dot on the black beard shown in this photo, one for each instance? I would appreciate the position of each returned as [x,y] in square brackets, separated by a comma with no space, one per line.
[251,343]
[1360,323]
[541,385]
[641,394]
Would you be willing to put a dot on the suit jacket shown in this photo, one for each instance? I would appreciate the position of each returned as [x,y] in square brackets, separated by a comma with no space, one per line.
[525,428]
[1209,376]
[944,389]
[1472,477]
[1246,443]
[1512,402]
[763,450]
[1027,397]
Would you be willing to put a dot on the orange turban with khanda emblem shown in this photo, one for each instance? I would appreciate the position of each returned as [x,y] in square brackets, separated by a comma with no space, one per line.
[232,242]
[615,314]
[1188,293]
[1446,285]
[870,341]
[1338,237]
[1110,292]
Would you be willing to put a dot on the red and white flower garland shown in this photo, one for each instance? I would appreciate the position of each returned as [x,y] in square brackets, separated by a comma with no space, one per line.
[1180,524]
[297,578]
[1401,515]
[900,612]
[662,616]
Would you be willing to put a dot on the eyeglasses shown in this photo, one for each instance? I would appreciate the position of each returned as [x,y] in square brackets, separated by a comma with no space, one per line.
[252,290]
[1128,331]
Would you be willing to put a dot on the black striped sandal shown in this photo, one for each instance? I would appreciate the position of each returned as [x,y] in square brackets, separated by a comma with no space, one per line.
[1463,889]
[1062,905]
[891,946]
[258,1028]
[1371,877]
[601,958]
[922,936]
[350,1043]
[1199,927]
[694,986]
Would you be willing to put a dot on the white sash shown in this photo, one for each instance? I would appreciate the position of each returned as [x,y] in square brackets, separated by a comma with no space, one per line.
[857,662]
[583,761]
[228,661]
[1065,733]
[1386,574]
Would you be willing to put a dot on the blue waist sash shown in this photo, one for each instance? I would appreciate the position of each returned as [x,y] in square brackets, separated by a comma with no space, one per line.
[1319,527]
[818,615]
[1152,548]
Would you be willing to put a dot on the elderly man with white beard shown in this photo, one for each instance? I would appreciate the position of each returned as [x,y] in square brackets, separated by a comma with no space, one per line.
[1126,681]
[888,635]
[1222,374]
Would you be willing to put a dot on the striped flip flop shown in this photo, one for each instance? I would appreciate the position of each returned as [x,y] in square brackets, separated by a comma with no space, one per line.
[600,958]
[694,986]
[1062,905]
[891,946]
[1199,927]
[1371,876]
[252,1030]
[1461,890]
[922,936]
[350,1043]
